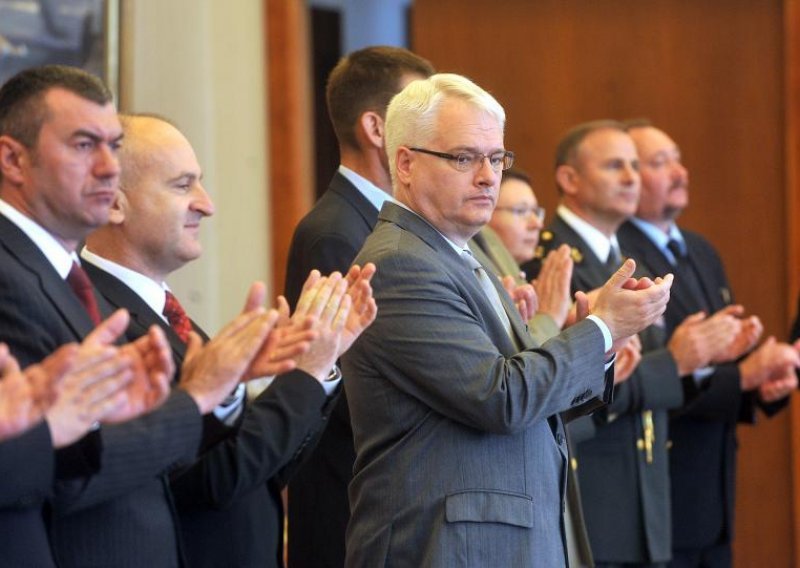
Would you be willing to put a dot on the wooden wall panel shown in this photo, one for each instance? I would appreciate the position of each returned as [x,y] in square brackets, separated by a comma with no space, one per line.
[289,125]
[711,74]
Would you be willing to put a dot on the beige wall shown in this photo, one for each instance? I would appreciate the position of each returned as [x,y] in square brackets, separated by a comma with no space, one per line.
[201,63]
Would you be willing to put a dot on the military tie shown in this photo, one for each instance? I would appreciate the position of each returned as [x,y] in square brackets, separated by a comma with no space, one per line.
[614,259]
[687,277]
[82,286]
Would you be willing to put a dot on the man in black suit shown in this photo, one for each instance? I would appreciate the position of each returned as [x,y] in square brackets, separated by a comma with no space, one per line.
[703,434]
[328,238]
[623,467]
[228,502]
[59,135]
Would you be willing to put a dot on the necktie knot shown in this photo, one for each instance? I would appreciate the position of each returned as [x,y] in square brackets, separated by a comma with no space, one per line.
[176,316]
[677,251]
[78,280]
[614,258]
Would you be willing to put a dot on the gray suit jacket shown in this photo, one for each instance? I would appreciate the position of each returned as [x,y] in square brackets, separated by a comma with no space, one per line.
[461,457]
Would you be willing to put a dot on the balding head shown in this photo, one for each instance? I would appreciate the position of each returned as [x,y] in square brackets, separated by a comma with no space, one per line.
[155,222]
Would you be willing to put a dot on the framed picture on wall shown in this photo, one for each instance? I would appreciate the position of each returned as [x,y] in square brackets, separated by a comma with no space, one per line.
[83,33]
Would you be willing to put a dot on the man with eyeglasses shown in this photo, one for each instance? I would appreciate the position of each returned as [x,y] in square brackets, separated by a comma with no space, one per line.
[623,467]
[461,454]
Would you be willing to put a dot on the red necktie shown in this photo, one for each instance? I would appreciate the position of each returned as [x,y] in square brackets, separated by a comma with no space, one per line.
[177,318]
[82,286]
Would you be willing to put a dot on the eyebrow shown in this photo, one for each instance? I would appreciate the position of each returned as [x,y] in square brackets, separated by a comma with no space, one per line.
[191,177]
[81,132]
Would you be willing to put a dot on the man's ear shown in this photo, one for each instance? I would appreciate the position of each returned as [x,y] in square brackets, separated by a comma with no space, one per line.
[566,177]
[116,215]
[14,159]
[404,164]
[372,128]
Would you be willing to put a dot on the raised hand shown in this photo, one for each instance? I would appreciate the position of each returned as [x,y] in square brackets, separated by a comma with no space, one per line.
[210,371]
[698,340]
[93,387]
[553,285]
[289,338]
[749,332]
[327,303]
[25,396]
[770,359]
[363,308]
[523,295]
[628,305]
[153,368]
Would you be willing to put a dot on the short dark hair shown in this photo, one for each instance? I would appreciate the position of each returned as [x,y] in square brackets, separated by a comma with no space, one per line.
[517,174]
[567,148]
[366,80]
[21,110]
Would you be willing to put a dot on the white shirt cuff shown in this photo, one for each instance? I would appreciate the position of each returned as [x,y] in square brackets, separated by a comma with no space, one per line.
[231,407]
[332,382]
[607,341]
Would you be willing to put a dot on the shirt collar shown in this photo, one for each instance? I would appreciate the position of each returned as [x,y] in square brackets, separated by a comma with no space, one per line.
[371,192]
[660,238]
[150,291]
[596,240]
[59,257]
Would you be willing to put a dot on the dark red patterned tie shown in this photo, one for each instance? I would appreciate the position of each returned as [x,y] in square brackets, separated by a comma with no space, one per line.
[82,286]
[177,318]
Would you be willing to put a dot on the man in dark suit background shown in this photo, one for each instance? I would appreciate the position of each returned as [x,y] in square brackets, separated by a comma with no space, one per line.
[703,454]
[623,468]
[228,504]
[59,135]
[328,238]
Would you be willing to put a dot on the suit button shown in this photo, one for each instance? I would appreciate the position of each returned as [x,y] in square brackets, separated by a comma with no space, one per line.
[560,439]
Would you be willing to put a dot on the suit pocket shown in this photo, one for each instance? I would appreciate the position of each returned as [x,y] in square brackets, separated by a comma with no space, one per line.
[481,506]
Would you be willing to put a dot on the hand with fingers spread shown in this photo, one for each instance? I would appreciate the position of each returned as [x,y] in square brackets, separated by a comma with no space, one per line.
[210,371]
[523,295]
[628,305]
[768,360]
[628,358]
[94,387]
[26,395]
[287,340]
[151,366]
[327,303]
[363,308]
[552,285]
[748,332]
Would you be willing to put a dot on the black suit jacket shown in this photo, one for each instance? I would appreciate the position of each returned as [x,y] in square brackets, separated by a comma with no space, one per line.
[703,454]
[327,238]
[39,313]
[625,497]
[228,502]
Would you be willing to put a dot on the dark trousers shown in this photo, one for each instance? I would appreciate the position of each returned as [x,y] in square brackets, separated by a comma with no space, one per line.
[716,556]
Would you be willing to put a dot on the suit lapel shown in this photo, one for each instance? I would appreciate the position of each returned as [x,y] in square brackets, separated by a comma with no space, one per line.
[642,249]
[119,295]
[454,264]
[342,186]
[31,258]
[589,271]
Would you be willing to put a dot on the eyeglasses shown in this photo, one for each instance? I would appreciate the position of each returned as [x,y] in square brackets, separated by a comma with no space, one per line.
[525,212]
[467,161]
